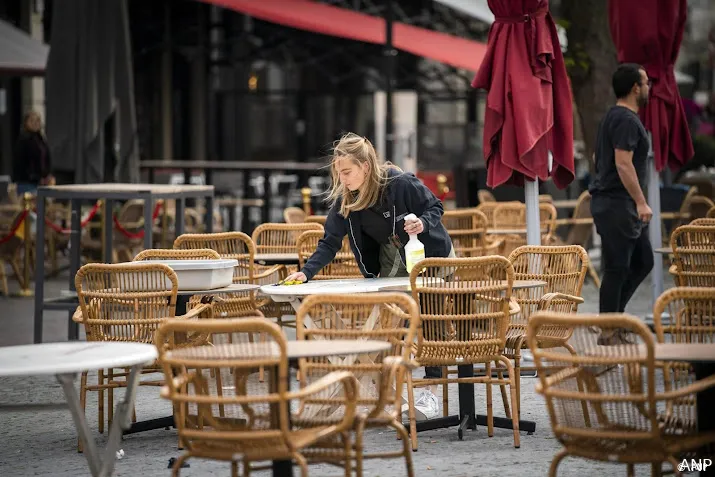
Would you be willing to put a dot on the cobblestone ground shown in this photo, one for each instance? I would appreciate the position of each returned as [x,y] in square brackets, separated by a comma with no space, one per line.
[43,442]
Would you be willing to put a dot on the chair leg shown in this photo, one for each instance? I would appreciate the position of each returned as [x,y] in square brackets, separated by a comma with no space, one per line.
[445,393]
[406,447]
[556,461]
[675,464]
[514,415]
[234,468]
[359,429]
[302,463]
[101,381]
[246,468]
[594,275]
[176,470]
[630,470]
[502,388]
[490,408]
[82,402]
[3,277]
[411,411]
[110,395]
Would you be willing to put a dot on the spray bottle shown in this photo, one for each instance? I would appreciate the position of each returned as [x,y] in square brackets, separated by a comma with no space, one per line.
[414,250]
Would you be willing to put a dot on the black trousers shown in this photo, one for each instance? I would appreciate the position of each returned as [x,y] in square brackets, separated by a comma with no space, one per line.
[625,250]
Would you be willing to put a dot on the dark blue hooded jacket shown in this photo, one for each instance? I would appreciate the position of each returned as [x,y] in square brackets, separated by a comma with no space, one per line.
[404,194]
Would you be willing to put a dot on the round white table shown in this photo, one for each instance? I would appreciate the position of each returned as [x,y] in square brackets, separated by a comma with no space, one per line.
[65,361]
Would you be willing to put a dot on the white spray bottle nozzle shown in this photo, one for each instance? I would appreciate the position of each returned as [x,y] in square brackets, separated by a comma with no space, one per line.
[411,217]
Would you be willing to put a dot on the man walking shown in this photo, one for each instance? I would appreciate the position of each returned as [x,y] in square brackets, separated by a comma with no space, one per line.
[618,205]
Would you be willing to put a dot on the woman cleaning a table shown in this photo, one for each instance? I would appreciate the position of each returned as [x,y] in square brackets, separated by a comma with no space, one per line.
[370,200]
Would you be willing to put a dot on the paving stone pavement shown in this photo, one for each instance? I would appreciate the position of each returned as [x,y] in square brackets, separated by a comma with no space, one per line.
[43,442]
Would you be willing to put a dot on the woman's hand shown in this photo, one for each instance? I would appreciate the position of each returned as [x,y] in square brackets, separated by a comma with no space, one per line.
[297,276]
[414,226]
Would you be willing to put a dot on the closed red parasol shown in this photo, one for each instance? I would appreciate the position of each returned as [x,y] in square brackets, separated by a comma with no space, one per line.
[649,32]
[529,110]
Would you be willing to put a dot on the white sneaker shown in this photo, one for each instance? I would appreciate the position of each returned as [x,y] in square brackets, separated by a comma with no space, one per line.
[426,407]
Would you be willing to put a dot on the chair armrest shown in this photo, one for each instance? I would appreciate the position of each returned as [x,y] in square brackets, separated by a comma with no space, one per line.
[673,270]
[514,307]
[205,309]
[77,316]
[272,274]
[692,388]
[546,300]
[350,387]
[390,366]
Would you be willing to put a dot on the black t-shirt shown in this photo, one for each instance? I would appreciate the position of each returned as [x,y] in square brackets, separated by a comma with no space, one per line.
[622,129]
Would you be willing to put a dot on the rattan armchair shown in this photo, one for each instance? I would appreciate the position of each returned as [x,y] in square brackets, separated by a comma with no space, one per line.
[280,238]
[464,314]
[343,265]
[468,230]
[563,268]
[294,215]
[683,315]
[706,221]
[222,414]
[694,255]
[126,302]
[512,215]
[316,219]
[237,246]
[391,317]
[606,403]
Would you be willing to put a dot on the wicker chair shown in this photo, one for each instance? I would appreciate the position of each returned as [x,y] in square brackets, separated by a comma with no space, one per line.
[391,317]
[563,268]
[221,414]
[238,246]
[512,215]
[294,215]
[606,404]
[280,238]
[343,265]
[125,302]
[173,254]
[580,231]
[464,313]
[468,230]
[694,255]
[708,222]
[316,219]
[485,196]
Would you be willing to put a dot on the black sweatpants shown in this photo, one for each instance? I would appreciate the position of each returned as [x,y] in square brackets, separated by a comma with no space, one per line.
[625,250]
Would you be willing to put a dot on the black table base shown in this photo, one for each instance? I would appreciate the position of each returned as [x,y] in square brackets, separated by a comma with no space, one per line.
[468,418]
[151,424]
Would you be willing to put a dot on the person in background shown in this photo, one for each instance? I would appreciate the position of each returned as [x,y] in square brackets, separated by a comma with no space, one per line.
[618,205]
[369,201]
[32,163]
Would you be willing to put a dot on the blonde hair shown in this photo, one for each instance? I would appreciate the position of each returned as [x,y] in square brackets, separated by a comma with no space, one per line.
[361,151]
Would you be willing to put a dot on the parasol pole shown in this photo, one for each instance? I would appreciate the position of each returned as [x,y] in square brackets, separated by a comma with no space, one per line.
[533,219]
[654,228]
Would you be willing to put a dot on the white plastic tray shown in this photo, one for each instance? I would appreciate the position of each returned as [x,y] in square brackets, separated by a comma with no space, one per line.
[201,274]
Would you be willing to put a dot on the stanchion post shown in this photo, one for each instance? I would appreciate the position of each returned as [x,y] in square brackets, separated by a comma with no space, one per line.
[27,230]
[306,192]
[104,214]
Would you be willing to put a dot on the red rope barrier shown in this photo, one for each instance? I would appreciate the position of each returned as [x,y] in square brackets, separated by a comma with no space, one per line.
[82,224]
[140,234]
[12,233]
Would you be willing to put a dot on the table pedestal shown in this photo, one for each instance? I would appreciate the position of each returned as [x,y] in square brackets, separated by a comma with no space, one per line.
[101,463]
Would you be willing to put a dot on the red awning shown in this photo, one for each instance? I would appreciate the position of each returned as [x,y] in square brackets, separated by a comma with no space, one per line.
[649,32]
[529,110]
[340,22]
